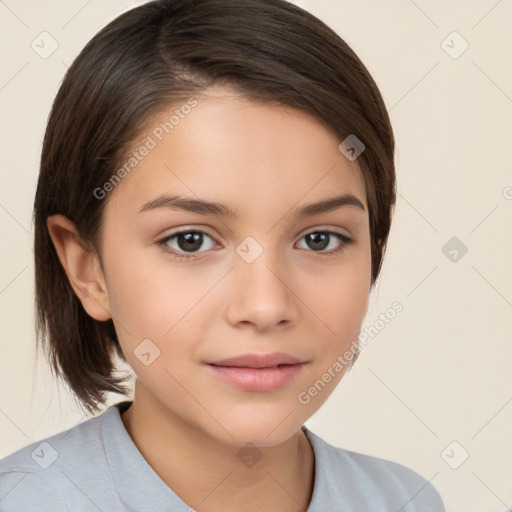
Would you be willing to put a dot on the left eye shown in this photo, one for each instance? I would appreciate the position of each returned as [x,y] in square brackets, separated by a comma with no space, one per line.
[319,241]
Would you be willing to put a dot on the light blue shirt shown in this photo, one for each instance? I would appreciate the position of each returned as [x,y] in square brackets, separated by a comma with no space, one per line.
[95,466]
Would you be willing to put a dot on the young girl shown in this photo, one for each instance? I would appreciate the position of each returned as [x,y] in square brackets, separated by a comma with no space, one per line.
[213,206]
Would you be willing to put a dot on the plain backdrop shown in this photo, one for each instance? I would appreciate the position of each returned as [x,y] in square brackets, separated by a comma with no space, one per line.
[433,386]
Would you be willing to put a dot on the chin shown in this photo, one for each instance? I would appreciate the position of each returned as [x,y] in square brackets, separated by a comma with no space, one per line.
[256,431]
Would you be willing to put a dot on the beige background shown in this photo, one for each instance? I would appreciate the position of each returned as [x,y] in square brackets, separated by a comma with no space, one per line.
[440,371]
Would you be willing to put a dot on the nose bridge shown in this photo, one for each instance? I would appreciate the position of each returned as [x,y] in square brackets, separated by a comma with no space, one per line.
[260,293]
[258,264]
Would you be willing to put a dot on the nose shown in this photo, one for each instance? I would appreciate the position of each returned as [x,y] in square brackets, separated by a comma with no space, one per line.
[261,294]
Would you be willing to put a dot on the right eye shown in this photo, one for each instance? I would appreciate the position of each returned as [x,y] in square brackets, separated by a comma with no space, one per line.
[186,243]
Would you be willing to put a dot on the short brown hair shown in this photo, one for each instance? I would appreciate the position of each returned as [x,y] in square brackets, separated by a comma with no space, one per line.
[148,59]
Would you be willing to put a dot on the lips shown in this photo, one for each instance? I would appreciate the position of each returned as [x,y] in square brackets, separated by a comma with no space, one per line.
[258,372]
[258,360]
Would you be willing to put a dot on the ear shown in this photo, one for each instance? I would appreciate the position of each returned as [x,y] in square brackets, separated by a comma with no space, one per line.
[81,266]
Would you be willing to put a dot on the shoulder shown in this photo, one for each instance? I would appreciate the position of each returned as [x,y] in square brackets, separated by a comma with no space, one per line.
[63,447]
[27,491]
[49,474]
[376,482]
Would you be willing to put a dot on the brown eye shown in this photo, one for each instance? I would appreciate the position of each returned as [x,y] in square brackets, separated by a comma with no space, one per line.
[319,241]
[185,243]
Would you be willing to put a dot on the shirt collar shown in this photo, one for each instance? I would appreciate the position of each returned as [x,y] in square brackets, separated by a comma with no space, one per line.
[140,487]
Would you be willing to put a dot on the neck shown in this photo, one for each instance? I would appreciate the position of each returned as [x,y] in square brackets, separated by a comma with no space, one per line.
[209,475]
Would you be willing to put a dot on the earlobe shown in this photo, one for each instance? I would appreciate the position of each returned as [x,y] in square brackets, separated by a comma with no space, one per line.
[81,267]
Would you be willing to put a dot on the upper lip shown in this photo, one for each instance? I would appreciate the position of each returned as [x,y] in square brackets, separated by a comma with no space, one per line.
[258,360]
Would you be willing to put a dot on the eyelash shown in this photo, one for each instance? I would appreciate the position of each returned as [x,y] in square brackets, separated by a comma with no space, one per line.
[345,241]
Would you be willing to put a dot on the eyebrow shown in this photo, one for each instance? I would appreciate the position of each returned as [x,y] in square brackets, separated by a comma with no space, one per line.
[214,208]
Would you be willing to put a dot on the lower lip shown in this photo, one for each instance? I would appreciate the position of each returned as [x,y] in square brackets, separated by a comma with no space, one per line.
[257,379]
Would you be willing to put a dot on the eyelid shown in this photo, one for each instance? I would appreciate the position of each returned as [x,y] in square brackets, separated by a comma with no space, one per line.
[327,228]
[180,231]
[187,229]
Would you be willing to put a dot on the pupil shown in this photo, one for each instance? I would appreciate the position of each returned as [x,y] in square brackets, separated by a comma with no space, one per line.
[318,240]
[190,241]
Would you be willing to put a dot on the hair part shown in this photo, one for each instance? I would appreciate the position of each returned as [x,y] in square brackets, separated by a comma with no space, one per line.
[150,58]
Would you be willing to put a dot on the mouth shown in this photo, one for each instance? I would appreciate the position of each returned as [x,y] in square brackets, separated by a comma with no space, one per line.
[257,378]
[259,361]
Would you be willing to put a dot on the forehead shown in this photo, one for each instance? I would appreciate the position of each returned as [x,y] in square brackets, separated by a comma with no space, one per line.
[252,156]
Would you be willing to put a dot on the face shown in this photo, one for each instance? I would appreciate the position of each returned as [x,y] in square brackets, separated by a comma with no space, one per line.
[189,284]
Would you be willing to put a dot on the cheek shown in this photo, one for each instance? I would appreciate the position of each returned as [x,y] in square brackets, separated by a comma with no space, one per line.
[152,297]
[141,298]
[340,300]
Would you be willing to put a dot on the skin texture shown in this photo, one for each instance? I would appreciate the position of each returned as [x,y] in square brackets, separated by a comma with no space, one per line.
[264,161]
